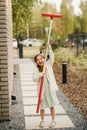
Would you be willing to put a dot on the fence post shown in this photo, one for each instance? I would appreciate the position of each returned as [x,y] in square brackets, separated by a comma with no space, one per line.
[83,38]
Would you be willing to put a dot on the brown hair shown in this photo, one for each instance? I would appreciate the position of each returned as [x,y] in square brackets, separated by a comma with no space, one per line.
[35,59]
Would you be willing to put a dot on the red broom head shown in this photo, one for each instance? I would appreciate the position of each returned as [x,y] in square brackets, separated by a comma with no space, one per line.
[52,15]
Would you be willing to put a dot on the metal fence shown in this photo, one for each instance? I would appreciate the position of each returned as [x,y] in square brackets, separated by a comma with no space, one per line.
[80,40]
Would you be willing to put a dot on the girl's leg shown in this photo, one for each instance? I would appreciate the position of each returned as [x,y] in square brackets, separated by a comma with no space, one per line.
[42,122]
[42,114]
[53,123]
[52,113]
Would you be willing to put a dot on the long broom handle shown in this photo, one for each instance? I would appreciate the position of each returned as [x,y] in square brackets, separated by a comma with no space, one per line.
[40,93]
[51,21]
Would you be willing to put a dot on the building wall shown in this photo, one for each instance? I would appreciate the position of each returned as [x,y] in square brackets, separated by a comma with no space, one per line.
[6,59]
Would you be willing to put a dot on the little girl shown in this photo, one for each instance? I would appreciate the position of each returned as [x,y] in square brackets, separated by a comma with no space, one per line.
[49,98]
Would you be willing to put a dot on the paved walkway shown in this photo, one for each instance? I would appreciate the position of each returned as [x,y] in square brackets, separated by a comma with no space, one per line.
[29,93]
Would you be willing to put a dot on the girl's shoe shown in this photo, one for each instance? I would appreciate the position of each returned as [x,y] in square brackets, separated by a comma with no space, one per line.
[42,124]
[52,124]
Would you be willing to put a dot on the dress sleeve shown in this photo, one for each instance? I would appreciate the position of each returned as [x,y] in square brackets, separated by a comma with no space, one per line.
[51,55]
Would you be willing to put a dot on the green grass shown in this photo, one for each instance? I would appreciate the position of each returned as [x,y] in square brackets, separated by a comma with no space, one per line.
[29,52]
[61,54]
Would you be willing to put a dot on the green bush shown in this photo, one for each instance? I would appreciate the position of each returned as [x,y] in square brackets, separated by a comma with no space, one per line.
[69,56]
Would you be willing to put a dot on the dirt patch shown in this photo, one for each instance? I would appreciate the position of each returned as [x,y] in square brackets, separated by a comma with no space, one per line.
[75,88]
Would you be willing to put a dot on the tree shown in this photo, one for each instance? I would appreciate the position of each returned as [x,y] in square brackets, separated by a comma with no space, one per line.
[83,7]
[46,21]
[68,17]
[42,22]
[21,12]
[77,26]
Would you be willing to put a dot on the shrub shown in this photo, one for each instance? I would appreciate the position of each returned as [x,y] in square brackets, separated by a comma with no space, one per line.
[69,56]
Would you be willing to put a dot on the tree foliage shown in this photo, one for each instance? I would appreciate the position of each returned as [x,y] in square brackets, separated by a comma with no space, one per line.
[68,17]
[21,12]
[83,7]
[29,12]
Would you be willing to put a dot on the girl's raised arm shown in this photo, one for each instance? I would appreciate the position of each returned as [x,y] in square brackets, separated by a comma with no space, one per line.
[50,53]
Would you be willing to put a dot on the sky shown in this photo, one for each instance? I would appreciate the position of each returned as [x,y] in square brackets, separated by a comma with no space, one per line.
[75,3]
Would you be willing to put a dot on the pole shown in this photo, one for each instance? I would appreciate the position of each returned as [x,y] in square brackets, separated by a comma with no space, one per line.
[27,30]
[64,72]
[51,21]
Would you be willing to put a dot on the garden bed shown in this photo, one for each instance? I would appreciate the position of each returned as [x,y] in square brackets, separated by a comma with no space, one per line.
[75,88]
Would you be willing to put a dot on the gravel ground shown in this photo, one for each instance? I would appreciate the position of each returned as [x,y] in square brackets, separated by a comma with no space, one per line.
[17,114]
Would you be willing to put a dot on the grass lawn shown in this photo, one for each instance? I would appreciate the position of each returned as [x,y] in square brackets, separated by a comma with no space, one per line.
[28,52]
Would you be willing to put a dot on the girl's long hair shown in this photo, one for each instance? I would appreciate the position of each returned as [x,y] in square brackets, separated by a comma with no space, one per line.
[40,68]
[35,59]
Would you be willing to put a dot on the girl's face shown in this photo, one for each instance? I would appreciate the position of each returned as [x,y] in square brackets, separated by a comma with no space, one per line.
[40,60]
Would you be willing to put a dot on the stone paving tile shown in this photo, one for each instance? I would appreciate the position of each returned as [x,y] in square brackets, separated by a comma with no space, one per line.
[28,87]
[29,83]
[24,79]
[31,110]
[27,71]
[29,93]
[30,101]
[29,63]
[26,75]
[61,122]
